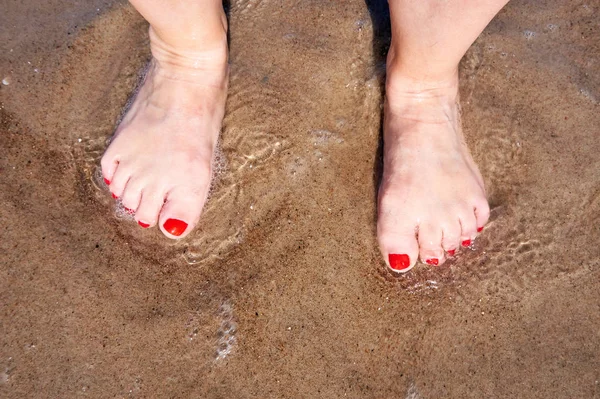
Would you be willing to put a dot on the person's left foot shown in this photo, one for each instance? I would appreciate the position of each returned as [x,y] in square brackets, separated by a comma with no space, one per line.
[432,198]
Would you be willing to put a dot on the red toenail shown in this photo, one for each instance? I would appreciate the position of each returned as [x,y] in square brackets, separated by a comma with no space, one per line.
[466,243]
[106,181]
[114,196]
[451,252]
[432,261]
[144,225]
[479,229]
[175,226]
[399,261]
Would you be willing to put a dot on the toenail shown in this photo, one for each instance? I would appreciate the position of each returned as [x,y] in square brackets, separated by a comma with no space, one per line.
[114,196]
[399,261]
[432,261]
[479,229]
[144,225]
[106,181]
[451,252]
[175,226]
[466,243]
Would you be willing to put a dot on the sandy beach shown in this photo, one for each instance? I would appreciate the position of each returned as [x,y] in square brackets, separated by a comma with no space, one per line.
[281,292]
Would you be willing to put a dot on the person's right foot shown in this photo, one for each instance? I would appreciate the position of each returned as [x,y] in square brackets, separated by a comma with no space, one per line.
[159,162]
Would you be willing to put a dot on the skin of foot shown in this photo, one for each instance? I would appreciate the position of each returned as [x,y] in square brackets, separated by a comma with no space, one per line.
[159,162]
[431,199]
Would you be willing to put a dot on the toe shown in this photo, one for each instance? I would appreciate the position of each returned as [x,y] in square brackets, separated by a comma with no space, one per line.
[109,164]
[132,195]
[399,247]
[151,202]
[482,214]
[468,226]
[181,213]
[430,244]
[451,237]
[119,181]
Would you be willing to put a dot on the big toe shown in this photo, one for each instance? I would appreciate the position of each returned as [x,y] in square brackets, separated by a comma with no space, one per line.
[399,247]
[180,214]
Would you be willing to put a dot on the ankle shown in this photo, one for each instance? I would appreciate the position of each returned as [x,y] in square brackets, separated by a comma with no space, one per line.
[423,80]
[405,88]
[411,98]
[186,58]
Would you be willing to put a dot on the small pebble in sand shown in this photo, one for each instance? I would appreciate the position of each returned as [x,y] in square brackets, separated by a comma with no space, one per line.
[6,81]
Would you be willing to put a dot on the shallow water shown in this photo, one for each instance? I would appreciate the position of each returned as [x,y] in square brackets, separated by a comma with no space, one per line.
[281,292]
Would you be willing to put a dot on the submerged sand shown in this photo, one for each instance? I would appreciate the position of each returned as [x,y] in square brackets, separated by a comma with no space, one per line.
[281,292]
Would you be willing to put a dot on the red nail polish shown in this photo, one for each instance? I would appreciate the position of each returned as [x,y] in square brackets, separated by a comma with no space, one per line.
[106,181]
[130,211]
[451,252]
[466,243]
[175,226]
[399,261]
[479,229]
[114,196]
[144,225]
[432,261]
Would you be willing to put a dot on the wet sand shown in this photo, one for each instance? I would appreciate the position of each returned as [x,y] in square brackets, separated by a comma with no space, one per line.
[281,293]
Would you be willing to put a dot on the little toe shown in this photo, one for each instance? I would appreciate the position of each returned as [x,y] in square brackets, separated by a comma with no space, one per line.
[109,165]
[151,202]
[430,244]
[482,214]
[468,225]
[180,213]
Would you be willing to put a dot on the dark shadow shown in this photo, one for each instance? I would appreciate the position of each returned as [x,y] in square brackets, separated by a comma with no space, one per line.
[382,30]
[382,33]
[227,9]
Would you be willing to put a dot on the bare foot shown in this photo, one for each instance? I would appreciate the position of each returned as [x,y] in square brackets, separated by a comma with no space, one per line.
[160,160]
[432,197]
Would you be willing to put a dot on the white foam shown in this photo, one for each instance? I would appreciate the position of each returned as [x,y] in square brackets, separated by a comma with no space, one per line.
[412,392]
[226,332]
